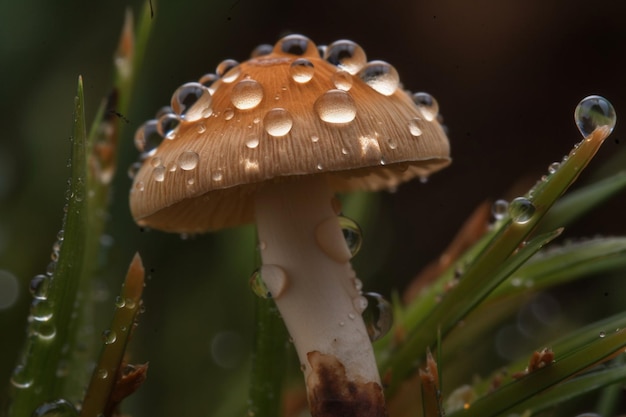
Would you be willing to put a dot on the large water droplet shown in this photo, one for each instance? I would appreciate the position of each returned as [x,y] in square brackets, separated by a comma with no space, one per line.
[293,45]
[381,77]
[269,281]
[351,233]
[252,143]
[342,80]
[302,70]
[228,70]
[191,101]
[147,138]
[246,94]
[593,112]
[41,310]
[277,122]
[329,239]
[57,408]
[428,106]
[378,316]
[347,55]
[44,330]
[188,160]
[208,79]
[39,286]
[166,125]
[521,210]
[336,106]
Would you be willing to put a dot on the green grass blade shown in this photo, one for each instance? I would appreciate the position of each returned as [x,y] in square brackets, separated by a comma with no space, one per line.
[577,203]
[108,372]
[37,377]
[515,393]
[505,241]
[269,365]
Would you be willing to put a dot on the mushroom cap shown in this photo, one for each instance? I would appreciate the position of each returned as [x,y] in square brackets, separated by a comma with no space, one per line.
[286,112]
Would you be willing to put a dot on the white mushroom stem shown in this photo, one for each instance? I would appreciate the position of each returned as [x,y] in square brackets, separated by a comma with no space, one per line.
[300,235]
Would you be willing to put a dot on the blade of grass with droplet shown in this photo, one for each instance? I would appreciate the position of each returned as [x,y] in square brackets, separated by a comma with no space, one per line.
[577,203]
[504,242]
[98,399]
[36,378]
[457,304]
[565,366]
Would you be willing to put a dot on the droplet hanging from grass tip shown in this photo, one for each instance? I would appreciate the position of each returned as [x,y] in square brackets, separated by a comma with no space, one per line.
[593,112]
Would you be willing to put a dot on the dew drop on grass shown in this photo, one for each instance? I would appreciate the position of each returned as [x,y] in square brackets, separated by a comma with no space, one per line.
[109,337]
[39,286]
[57,408]
[378,316]
[593,112]
[521,210]
[20,379]
[499,209]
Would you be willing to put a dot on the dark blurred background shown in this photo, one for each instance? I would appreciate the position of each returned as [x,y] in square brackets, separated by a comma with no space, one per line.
[507,76]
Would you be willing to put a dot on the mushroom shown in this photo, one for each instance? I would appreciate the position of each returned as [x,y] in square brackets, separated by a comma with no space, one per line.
[271,140]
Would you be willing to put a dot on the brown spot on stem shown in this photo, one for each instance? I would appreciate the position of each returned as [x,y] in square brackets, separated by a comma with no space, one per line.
[332,394]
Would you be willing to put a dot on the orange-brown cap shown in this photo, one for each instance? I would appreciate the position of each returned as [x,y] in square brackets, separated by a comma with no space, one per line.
[293,109]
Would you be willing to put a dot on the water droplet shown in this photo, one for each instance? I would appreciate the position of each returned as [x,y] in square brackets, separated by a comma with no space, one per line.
[44,330]
[246,94]
[381,77]
[521,210]
[342,80]
[229,114]
[360,304]
[109,337]
[378,316]
[315,138]
[140,186]
[414,128]
[156,162]
[269,281]
[191,181]
[20,379]
[158,174]
[120,302]
[41,310]
[370,148]
[358,284]
[319,166]
[208,79]
[191,101]
[347,55]
[277,122]
[217,175]
[228,70]
[57,408]
[166,125]
[554,167]
[39,286]
[602,334]
[251,166]
[428,106]
[593,112]
[252,143]
[200,128]
[330,241]
[133,169]
[293,45]
[188,160]
[261,50]
[147,138]
[499,209]
[352,234]
[336,106]
[302,70]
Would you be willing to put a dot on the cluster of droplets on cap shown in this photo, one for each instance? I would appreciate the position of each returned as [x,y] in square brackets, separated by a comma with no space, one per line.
[192,102]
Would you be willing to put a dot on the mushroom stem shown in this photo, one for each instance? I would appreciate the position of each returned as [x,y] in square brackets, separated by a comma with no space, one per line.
[306,268]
